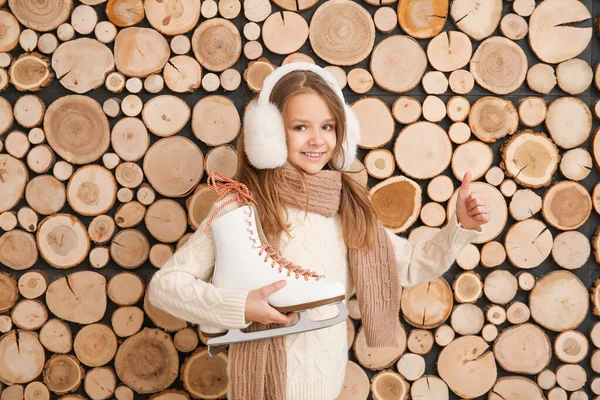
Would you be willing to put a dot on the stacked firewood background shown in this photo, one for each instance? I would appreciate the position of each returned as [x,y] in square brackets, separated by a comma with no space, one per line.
[111,112]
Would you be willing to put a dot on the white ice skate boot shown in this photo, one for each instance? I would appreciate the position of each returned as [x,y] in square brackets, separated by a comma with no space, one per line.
[246,261]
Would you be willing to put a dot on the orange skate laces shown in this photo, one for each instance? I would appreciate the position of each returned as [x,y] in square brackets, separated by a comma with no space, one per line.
[223,185]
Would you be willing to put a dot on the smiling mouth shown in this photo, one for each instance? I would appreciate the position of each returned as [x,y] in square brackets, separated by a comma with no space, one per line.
[313,155]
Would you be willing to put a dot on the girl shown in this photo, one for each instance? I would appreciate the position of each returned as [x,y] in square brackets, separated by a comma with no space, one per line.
[299,137]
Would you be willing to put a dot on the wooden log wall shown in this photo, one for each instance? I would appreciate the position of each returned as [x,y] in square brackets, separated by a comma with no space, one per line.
[111,113]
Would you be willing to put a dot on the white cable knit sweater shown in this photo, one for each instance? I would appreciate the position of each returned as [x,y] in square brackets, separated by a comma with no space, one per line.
[316,360]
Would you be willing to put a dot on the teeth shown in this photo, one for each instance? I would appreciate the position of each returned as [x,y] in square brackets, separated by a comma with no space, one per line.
[313,154]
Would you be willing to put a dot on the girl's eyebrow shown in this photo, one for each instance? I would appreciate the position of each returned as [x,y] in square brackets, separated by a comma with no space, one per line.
[332,119]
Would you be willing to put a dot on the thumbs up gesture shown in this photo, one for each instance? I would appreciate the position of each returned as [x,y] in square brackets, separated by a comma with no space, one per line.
[472,209]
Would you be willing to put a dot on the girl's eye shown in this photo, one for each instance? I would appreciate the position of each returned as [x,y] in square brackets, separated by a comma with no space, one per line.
[328,127]
[300,127]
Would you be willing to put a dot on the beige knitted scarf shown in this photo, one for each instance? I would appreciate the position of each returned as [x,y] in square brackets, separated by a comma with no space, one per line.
[258,369]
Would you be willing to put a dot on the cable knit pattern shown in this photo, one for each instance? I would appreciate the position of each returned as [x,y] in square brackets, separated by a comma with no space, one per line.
[316,361]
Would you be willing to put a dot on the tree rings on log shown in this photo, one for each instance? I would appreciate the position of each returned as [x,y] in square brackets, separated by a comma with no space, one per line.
[152,57]
[440,188]
[528,243]
[92,190]
[182,74]
[386,19]
[299,5]
[81,300]
[130,214]
[499,65]
[63,241]
[468,366]
[461,81]
[21,358]
[256,73]
[541,78]
[551,37]
[422,19]
[559,301]
[81,65]
[566,205]
[127,321]
[222,159]
[476,20]
[172,17]
[165,115]
[157,370]
[30,72]
[29,111]
[199,205]
[449,51]
[397,202]
[407,110]
[576,164]
[6,115]
[375,358]
[125,288]
[284,32]
[342,32]
[473,156]
[429,387]
[377,121]
[433,214]
[10,292]
[571,347]
[130,139]
[386,382]
[166,220]
[77,129]
[523,349]
[420,341]
[500,287]
[493,254]
[571,377]
[467,319]
[95,345]
[14,178]
[458,108]
[435,82]
[63,374]
[492,118]
[423,150]
[499,210]
[11,31]
[532,111]
[217,44]
[574,76]
[129,248]
[360,80]
[18,250]
[569,122]
[512,387]
[467,287]
[524,204]
[427,305]
[174,166]
[41,16]
[215,120]
[530,159]
[411,366]
[514,26]
[406,56]
[33,284]
[204,376]
[56,336]
[45,194]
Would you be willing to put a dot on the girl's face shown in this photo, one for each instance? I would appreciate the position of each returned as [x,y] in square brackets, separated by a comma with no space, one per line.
[311,132]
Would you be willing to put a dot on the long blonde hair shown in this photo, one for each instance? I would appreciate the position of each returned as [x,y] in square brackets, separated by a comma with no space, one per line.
[359,220]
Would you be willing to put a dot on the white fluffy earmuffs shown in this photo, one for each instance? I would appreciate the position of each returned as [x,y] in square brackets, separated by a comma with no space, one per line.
[264,131]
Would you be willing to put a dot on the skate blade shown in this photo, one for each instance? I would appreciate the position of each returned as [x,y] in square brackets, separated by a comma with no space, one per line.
[304,324]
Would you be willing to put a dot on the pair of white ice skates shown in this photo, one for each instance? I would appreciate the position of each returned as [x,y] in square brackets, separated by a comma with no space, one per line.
[246,261]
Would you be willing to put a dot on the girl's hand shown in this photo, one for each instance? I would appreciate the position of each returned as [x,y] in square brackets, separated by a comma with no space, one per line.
[259,310]
[472,209]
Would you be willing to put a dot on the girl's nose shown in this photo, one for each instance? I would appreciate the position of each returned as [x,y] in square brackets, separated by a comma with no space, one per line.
[316,137]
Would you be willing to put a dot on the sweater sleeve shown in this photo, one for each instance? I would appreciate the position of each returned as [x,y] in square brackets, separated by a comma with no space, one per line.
[181,286]
[431,258]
